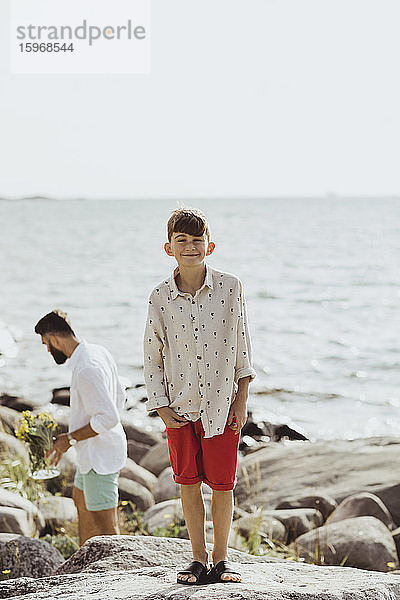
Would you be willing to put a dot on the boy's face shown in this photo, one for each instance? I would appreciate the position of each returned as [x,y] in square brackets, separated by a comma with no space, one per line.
[189,250]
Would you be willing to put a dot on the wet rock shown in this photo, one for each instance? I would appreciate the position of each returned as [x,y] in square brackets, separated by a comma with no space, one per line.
[135,472]
[28,557]
[362,542]
[134,492]
[361,505]
[157,458]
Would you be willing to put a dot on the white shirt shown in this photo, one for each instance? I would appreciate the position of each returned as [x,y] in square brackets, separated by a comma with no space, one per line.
[98,398]
[196,348]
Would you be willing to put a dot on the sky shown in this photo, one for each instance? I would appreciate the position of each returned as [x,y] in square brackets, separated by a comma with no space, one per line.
[244,98]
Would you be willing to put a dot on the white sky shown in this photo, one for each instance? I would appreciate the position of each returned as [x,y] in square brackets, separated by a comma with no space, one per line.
[245,97]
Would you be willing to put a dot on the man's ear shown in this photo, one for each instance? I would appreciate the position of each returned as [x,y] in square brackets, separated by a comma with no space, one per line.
[53,339]
[167,249]
[210,249]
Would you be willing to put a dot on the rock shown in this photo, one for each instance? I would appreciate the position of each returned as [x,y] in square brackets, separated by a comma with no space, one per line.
[135,472]
[337,468]
[296,521]
[165,487]
[136,450]
[396,539]
[9,419]
[157,458]
[139,568]
[136,493]
[28,557]
[362,542]
[323,504]
[161,515]
[57,511]
[260,524]
[15,520]
[34,518]
[121,552]
[150,438]
[12,447]
[61,396]
[361,505]
[19,404]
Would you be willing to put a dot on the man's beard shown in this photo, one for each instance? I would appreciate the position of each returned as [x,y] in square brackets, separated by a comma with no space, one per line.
[58,356]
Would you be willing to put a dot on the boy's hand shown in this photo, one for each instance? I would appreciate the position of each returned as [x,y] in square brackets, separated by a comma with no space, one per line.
[171,418]
[237,415]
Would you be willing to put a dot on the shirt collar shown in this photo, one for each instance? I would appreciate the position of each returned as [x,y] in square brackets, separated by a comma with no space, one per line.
[173,288]
[77,353]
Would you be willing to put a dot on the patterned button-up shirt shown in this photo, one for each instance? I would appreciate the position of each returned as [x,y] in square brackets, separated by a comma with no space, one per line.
[196,348]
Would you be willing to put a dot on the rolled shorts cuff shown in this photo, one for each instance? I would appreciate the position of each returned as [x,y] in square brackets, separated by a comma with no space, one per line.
[223,487]
[187,480]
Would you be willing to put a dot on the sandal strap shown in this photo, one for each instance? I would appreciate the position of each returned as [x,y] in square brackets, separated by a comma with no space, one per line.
[224,566]
[195,568]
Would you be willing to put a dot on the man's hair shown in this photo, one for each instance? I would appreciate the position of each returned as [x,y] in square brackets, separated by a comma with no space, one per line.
[55,322]
[187,220]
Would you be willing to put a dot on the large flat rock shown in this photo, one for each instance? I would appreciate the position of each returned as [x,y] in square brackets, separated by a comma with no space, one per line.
[261,581]
[337,468]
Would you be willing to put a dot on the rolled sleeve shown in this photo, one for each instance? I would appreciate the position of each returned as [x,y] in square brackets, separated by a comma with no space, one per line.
[243,366]
[97,400]
[154,375]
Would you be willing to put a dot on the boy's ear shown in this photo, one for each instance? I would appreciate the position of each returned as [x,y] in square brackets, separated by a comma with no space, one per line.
[210,249]
[167,249]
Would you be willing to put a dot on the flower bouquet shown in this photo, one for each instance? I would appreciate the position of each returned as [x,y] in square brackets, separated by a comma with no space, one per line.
[38,431]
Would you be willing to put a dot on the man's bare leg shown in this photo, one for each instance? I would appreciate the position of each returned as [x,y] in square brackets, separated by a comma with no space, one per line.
[222,513]
[91,523]
[194,513]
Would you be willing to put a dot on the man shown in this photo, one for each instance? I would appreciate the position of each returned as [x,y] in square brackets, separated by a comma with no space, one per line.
[95,429]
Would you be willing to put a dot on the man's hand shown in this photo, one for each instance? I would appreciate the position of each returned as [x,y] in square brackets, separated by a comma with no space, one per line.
[171,418]
[59,448]
[237,415]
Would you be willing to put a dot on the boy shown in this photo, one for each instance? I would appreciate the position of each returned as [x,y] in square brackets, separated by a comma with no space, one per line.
[197,368]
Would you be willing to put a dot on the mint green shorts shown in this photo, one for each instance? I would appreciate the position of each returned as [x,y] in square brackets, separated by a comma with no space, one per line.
[100,491]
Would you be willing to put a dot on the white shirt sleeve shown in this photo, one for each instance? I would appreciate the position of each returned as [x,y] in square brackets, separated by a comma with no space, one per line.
[97,400]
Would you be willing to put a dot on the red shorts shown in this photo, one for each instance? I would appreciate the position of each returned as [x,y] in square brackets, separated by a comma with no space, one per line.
[195,458]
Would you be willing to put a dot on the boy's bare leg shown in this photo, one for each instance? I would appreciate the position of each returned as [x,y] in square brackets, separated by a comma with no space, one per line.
[222,513]
[194,513]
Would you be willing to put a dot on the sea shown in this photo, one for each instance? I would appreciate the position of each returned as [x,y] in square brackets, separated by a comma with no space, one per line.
[321,278]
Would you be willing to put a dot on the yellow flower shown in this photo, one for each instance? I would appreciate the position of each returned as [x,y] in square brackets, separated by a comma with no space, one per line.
[6,571]
[391,565]
[124,502]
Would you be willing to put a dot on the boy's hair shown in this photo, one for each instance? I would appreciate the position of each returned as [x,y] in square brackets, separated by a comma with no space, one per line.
[187,220]
[55,322]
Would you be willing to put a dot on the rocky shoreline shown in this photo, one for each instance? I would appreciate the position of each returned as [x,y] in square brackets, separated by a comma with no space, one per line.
[330,503]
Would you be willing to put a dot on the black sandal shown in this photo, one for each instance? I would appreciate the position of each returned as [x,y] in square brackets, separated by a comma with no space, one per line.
[214,576]
[197,569]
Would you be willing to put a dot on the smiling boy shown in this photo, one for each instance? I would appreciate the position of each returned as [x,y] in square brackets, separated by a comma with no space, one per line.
[197,368]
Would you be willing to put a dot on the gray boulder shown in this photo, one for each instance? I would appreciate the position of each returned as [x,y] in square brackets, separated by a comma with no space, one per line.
[34,518]
[157,458]
[337,468]
[362,505]
[133,432]
[323,504]
[15,520]
[57,511]
[10,446]
[134,492]
[9,419]
[296,521]
[362,542]
[135,472]
[165,487]
[163,514]
[261,524]
[28,557]
[136,450]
